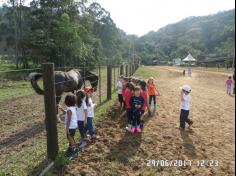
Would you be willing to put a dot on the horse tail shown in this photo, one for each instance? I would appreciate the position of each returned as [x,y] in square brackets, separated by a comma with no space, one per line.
[34,77]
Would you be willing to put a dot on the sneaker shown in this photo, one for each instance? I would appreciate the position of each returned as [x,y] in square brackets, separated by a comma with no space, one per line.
[133,130]
[138,130]
[190,124]
[128,128]
[83,144]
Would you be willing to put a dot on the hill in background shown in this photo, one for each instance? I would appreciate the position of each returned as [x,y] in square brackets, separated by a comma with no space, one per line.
[203,37]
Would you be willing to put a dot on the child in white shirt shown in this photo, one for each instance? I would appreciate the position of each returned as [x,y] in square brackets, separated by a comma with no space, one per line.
[120,92]
[90,108]
[70,123]
[185,106]
[82,115]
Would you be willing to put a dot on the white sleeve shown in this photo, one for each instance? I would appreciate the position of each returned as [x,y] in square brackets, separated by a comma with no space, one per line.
[84,105]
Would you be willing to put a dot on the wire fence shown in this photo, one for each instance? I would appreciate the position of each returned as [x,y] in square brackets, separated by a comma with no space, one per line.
[22,128]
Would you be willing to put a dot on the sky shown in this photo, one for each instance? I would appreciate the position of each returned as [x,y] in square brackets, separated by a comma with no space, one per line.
[142,16]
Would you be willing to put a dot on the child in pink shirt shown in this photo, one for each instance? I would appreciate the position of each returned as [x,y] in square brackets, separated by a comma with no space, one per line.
[229,83]
[128,94]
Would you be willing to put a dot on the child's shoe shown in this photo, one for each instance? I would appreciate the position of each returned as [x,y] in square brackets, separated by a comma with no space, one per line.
[138,130]
[128,128]
[83,144]
[133,130]
[190,124]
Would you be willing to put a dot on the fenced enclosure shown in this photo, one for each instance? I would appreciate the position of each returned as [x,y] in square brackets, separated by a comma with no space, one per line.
[23,144]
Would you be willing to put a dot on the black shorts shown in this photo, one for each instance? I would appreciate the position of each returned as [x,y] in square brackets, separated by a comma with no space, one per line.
[71,132]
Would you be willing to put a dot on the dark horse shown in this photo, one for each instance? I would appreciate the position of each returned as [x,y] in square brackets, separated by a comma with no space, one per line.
[70,81]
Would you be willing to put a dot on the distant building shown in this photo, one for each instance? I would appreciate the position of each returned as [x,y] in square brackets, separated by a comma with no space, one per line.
[177,61]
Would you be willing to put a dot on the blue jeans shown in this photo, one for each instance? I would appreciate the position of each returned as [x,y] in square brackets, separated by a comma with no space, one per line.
[81,129]
[89,127]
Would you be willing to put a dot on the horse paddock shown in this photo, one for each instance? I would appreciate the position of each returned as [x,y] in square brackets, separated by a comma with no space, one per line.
[209,146]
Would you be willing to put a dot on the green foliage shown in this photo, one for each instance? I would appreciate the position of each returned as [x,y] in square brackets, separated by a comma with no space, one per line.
[66,32]
[201,36]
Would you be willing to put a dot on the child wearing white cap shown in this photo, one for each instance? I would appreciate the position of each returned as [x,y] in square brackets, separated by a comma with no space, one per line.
[185,106]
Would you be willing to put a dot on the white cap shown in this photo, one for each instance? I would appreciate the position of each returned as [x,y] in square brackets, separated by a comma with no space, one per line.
[186,88]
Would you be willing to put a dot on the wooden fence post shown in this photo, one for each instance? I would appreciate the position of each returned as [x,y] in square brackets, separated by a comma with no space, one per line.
[114,77]
[50,110]
[130,69]
[100,84]
[122,69]
[109,82]
[127,70]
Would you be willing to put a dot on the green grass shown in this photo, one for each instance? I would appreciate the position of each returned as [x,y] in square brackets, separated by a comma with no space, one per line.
[15,89]
[146,72]
[4,67]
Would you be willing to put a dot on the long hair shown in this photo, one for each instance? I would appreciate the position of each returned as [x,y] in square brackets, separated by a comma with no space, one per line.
[80,96]
[87,100]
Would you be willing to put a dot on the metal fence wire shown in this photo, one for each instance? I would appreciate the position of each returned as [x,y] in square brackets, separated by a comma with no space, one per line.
[22,116]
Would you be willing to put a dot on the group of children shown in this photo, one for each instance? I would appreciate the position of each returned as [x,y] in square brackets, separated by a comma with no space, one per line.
[79,115]
[134,99]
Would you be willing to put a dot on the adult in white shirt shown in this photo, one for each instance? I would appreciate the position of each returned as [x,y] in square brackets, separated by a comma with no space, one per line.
[185,106]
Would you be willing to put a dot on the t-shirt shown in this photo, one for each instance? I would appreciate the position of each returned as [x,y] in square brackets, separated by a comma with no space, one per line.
[128,95]
[120,87]
[151,88]
[186,102]
[90,108]
[229,82]
[80,111]
[73,121]
[144,94]
[136,105]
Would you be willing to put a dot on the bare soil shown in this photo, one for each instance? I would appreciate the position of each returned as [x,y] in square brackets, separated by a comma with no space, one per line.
[118,152]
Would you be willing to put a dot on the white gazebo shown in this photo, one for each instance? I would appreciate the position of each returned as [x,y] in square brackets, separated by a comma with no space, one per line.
[189,59]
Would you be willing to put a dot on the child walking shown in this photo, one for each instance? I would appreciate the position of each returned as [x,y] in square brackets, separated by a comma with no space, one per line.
[152,92]
[128,94]
[136,103]
[90,108]
[71,124]
[185,106]
[229,84]
[82,115]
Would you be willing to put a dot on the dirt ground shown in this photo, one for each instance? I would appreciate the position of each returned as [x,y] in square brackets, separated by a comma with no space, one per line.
[211,139]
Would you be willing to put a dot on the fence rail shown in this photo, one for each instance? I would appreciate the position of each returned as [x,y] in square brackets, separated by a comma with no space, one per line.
[23,114]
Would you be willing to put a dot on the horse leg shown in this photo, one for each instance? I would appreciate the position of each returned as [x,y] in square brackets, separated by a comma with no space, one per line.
[58,98]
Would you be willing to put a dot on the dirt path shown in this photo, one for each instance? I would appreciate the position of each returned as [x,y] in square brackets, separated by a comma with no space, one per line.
[212,138]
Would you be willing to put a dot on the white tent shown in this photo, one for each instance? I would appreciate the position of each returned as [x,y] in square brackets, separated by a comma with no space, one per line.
[189,58]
